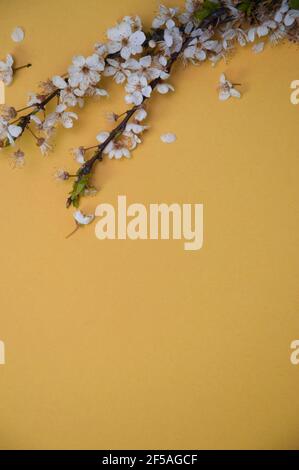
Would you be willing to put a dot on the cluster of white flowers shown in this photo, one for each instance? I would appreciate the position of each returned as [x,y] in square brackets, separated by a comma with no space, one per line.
[141,62]
[215,45]
[8,131]
[130,138]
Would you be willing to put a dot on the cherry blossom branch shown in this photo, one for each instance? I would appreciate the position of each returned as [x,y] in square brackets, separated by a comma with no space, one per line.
[142,61]
[55,87]
[218,16]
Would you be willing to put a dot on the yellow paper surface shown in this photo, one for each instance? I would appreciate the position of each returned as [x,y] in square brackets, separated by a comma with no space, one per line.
[140,344]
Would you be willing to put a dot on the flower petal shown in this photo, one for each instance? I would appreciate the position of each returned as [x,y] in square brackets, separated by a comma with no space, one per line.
[83,219]
[14,130]
[18,34]
[168,138]
[102,136]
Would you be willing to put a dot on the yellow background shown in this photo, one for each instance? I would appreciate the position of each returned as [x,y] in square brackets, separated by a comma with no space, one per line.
[140,344]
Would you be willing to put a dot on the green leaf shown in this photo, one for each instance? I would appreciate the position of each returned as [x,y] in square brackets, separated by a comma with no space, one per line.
[76,201]
[78,189]
[246,6]
[206,9]
[294,4]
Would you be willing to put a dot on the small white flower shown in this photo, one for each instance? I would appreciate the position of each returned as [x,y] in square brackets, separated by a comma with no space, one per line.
[160,63]
[137,89]
[121,146]
[195,52]
[173,40]
[85,72]
[6,70]
[168,138]
[9,131]
[79,154]
[279,15]
[191,6]
[60,115]
[212,45]
[226,89]
[83,219]
[122,39]
[67,93]
[117,70]
[18,34]
[143,67]
[164,15]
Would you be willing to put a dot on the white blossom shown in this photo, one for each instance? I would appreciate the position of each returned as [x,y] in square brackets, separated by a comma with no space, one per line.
[79,154]
[6,70]
[116,69]
[168,138]
[9,131]
[279,15]
[18,34]
[67,94]
[143,67]
[226,89]
[121,146]
[191,7]
[123,39]
[137,89]
[83,219]
[164,15]
[85,72]
[173,40]
[62,116]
